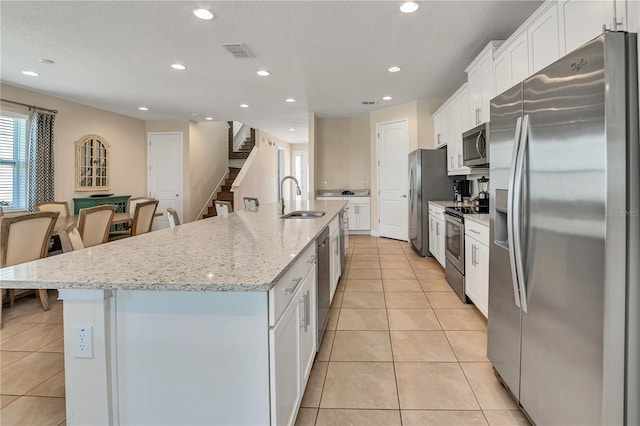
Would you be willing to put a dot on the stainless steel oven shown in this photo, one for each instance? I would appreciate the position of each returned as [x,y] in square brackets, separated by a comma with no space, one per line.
[454,251]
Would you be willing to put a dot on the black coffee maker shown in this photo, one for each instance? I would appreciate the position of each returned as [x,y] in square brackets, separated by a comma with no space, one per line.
[461,189]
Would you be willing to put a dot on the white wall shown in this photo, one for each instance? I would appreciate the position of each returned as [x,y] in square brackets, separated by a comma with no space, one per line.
[343,153]
[208,162]
[125,135]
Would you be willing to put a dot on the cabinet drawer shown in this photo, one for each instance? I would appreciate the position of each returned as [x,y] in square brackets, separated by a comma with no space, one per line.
[281,294]
[436,211]
[308,259]
[477,232]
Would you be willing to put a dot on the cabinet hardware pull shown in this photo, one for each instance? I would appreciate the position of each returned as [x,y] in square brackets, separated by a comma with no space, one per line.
[297,282]
[307,316]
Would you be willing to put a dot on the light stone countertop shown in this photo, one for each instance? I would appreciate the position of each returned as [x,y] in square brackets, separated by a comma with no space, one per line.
[445,204]
[244,251]
[481,218]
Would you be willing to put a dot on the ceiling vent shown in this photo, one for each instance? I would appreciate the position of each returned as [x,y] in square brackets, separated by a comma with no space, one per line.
[368,102]
[239,50]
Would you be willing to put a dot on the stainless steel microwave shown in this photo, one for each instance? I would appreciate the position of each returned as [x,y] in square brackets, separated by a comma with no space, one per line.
[475,146]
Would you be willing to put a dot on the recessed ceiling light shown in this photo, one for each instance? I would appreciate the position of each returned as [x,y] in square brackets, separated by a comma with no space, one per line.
[290,100]
[409,7]
[244,106]
[291,129]
[178,67]
[47,61]
[195,114]
[30,73]
[263,73]
[208,118]
[394,69]
[203,14]
[386,98]
[143,108]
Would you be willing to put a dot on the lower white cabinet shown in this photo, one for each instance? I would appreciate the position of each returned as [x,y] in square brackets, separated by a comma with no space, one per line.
[359,213]
[436,233]
[335,263]
[292,349]
[477,265]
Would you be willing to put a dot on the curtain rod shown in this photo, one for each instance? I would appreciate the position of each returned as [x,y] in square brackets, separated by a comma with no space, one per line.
[54,111]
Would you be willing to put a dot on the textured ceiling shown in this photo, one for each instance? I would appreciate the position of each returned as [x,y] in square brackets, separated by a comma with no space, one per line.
[328,55]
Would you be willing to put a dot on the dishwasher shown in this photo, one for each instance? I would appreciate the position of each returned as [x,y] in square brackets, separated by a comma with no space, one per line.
[324,282]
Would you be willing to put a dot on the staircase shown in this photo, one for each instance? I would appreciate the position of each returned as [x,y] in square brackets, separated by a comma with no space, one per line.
[246,146]
[225,193]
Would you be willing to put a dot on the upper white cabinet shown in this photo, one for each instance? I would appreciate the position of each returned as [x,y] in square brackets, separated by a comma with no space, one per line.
[458,118]
[481,85]
[583,20]
[544,37]
[511,62]
[440,126]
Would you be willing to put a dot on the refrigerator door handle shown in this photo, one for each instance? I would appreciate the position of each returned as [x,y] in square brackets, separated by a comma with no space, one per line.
[517,213]
[510,210]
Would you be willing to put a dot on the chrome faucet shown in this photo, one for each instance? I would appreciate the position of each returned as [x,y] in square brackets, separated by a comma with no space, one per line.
[298,191]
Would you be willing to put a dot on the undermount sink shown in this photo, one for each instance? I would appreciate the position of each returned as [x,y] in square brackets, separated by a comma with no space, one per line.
[304,214]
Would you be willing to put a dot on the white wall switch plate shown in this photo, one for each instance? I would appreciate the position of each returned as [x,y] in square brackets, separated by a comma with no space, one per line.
[83,341]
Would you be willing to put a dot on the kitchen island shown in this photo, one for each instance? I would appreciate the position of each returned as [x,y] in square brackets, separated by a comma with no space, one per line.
[206,323]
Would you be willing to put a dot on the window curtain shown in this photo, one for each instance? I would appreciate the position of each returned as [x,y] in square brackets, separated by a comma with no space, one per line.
[41,164]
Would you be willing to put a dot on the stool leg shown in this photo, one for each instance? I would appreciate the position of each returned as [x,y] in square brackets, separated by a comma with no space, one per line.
[12,297]
[44,299]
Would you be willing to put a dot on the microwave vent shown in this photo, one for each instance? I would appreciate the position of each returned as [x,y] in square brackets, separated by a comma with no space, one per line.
[239,50]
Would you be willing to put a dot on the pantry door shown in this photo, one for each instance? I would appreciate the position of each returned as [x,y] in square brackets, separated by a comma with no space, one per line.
[393,179]
[165,175]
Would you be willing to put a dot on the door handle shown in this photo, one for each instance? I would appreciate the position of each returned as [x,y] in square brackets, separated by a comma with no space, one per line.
[177,195]
[524,139]
[404,196]
[511,215]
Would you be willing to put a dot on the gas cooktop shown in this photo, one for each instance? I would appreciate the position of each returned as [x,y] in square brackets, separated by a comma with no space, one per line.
[459,211]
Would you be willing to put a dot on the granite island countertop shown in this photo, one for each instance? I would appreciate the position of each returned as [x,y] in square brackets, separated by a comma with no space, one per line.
[244,251]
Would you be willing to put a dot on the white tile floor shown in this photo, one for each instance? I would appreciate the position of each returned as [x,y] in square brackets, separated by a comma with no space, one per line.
[401,348]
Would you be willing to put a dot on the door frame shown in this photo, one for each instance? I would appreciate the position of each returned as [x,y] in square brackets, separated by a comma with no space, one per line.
[382,123]
[305,171]
[180,204]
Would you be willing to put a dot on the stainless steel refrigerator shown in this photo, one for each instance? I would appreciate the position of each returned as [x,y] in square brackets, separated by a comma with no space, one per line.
[565,237]
[428,180]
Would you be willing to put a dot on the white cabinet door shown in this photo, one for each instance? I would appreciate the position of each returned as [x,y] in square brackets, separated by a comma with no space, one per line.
[582,21]
[511,65]
[334,264]
[433,244]
[544,38]
[477,274]
[440,242]
[481,89]
[482,266]
[353,218]
[455,133]
[364,217]
[470,271]
[285,365]
[438,129]
[308,326]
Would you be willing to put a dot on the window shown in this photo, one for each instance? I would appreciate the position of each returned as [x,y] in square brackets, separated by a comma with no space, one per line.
[13,162]
[92,161]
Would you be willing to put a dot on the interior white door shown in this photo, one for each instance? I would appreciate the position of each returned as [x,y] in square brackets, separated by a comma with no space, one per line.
[393,179]
[165,175]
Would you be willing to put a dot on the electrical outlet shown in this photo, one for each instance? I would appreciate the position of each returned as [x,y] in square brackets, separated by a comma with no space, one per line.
[324,183]
[83,341]
[366,183]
